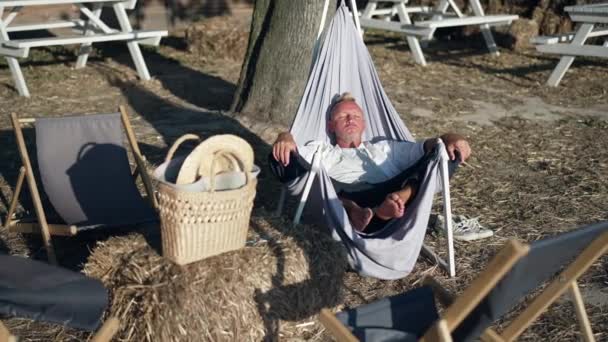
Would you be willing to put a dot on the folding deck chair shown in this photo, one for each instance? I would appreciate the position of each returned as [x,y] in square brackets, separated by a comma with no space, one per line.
[512,274]
[438,17]
[85,173]
[35,290]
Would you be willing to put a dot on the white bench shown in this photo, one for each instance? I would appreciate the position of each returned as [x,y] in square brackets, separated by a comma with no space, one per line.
[467,21]
[91,30]
[128,4]
[143,37]
[565,37]
[410,30]
[439,16]
[571,45]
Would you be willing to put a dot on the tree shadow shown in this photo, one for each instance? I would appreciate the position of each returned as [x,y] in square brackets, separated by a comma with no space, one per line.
[59,54]
[282,302]
[299,301]
[181,80]
[186,83]
[164,120]
[170,121]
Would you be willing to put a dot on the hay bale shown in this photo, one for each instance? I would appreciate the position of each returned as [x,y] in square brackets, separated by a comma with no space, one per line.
[271,288]
[521,32]
[223,37]
[550,22]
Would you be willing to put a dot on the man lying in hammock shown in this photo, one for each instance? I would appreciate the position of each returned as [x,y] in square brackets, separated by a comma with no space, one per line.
[374,181]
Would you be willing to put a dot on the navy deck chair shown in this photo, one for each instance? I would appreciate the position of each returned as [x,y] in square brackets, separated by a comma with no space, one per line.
[42,292]
[514,273]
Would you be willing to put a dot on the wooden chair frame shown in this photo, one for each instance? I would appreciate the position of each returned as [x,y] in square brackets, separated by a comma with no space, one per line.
[26,173]
[104,334]
[458,308]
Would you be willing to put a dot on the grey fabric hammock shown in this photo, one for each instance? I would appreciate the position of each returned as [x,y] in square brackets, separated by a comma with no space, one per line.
[343,64]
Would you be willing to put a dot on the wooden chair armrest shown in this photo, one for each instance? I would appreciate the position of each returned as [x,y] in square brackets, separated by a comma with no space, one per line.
[335,327]
[438,332]
[107,330]
[5,334]
[142,172]
[445,297]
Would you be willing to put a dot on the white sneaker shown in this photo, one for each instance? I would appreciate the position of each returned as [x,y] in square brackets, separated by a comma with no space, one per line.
[463,228]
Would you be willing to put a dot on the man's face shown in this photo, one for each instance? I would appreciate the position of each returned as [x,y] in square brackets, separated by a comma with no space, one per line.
[347,122]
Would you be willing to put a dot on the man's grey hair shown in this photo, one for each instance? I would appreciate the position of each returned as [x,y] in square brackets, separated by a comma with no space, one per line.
[345,97]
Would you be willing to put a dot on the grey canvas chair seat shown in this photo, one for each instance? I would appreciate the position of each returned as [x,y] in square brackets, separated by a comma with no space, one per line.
[85,174]
[515,272]
[85,171]
[42,292]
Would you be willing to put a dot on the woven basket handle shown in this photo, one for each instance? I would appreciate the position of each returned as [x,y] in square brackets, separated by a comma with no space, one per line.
[178,142]
[235,159]
[231,144]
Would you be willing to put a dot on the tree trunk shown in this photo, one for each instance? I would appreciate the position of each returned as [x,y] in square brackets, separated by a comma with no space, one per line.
[278,58]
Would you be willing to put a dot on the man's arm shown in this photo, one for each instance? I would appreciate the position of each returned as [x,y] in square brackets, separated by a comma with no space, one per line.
[282,147]
[453,143]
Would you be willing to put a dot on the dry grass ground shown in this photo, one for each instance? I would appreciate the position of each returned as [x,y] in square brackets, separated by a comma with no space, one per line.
[540,163]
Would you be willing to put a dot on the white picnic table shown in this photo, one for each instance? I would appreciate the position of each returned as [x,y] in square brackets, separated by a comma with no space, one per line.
[87,31]
[445,13]
[591,21]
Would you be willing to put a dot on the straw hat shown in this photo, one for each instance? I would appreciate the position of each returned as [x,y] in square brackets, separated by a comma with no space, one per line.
[227,150]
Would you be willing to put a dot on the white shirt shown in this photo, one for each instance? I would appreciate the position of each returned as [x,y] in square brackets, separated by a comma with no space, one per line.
[370,162]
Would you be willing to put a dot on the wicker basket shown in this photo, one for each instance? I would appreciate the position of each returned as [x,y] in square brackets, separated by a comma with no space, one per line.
[197,225]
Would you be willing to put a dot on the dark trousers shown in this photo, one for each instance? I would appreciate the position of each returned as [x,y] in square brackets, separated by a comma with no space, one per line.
[366,195]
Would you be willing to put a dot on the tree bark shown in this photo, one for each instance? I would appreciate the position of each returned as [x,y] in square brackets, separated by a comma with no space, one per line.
[278,59]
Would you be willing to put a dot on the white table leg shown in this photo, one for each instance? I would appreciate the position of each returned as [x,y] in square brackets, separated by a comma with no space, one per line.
[85,49]
[368,12]
[134,49]
[564,63]
[440,9]
[485,28]
[13,63]
[353,5]
[455,8]
[412,41]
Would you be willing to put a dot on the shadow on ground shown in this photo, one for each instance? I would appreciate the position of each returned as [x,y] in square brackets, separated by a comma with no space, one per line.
[165,121]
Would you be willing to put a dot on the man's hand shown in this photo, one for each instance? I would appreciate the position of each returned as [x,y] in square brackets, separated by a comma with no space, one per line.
[282,148]
[456,142]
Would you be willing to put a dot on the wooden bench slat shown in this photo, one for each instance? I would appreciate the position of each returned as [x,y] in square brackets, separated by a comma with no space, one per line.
[397,1]
[46,26]
[395,27]
[20,3]
[590,8]
[464,21]
[50,41]
[589,18]
[566,37]
[575,50]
